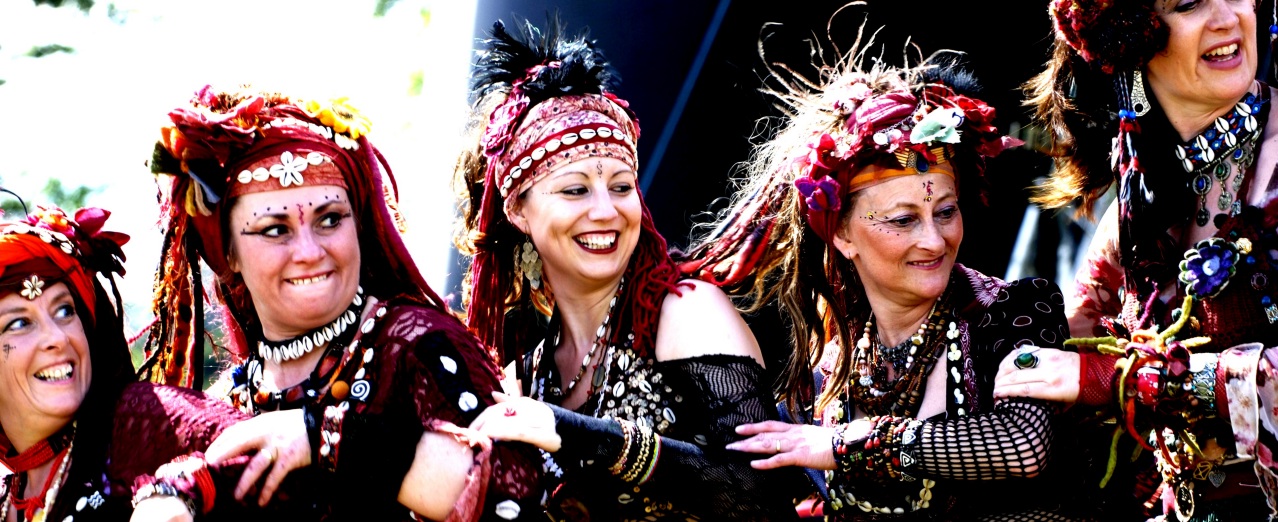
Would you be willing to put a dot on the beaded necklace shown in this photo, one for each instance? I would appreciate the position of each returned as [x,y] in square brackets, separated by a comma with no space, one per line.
[1225,148]
[869,390]
[296,347]
[596,379]
[35,508]
[321,380]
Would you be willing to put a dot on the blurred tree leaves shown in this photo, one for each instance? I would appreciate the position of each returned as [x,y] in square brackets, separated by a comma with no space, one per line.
[84,5]
[54,193]
[40,51]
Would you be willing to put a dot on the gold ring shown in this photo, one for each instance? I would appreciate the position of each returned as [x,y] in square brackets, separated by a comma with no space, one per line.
[270,454]
[778,441]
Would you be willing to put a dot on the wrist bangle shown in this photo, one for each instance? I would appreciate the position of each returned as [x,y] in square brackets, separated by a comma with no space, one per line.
[627,429]
[163,489]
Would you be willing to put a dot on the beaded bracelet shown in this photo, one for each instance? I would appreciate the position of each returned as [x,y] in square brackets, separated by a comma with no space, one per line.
[189,477]
[331,435]
[163,489]
[647,458]
[1203,388]
[627,428]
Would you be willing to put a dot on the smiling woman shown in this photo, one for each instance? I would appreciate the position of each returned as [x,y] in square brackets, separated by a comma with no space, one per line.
[354,371]
[635,384]
[1162,97]
[70,421]
[850,218]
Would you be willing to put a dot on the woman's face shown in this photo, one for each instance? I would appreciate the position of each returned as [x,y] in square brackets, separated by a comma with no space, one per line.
[44,355]
[298,252]
[584,218]
[1210,59]
[903,235]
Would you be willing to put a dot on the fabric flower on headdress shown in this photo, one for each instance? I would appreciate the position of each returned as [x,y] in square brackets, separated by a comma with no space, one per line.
[100,249]
[502,123]
[339,115]
[820,195]
[938,126]
[199,133]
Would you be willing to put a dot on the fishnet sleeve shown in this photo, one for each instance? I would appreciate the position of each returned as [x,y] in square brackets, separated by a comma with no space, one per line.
[1012,441]
[694,471]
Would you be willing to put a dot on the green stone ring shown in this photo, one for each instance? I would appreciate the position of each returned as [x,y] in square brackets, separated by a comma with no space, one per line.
[1026,360]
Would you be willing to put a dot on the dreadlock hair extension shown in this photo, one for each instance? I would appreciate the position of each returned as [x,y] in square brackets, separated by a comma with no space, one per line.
[1074,97]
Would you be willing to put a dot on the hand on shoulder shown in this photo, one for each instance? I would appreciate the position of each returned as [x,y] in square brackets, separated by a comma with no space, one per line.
[702,321]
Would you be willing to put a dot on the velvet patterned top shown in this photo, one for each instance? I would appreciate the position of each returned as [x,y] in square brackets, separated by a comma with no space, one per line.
[405,370]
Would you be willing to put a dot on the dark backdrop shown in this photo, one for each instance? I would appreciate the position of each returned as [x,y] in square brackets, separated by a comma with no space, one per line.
[692,72]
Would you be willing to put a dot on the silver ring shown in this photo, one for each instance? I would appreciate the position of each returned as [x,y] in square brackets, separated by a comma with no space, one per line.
[778,445]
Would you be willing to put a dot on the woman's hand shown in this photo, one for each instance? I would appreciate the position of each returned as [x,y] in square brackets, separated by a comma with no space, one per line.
[280,440]
[519,419]
[161,509]
[1053,377]
[790,444]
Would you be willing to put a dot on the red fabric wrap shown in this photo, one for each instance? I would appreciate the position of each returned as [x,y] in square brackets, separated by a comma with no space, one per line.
[1096,378]
[23,255]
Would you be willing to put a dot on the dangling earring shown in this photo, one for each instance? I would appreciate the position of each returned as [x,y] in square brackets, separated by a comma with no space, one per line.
[529,263]
[1140,103]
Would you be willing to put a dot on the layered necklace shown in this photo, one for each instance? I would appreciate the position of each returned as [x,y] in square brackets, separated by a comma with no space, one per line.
[870,389]
[294,348]
[598,377]
[56,448]
[1224,153]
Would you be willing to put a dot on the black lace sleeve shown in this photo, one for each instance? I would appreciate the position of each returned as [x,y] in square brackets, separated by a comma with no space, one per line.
[1012,441]
[696,473]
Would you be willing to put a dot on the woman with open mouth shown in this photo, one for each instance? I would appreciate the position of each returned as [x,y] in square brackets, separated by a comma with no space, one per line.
[850,217]
[628,379]
[77,434]
[353,369]
[1177,292]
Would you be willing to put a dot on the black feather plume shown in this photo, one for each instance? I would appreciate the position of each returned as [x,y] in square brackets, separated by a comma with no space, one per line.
[505,58]
[951,68]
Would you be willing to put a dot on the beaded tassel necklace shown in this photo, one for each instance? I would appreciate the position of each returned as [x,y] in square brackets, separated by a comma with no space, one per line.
[868,389]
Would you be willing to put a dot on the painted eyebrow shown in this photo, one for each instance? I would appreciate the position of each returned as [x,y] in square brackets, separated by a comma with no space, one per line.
[62,293]
[283,216]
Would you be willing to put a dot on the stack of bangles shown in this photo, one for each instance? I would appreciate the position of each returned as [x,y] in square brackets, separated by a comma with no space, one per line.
[640,449]
[185,478]
[1175,396]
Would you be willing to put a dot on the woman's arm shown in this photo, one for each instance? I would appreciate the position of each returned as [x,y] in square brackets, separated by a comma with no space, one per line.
[1098,280]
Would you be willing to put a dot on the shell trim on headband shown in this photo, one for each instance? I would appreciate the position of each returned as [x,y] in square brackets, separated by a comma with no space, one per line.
[570,137]
[341,139]
[51,237]
[288,170]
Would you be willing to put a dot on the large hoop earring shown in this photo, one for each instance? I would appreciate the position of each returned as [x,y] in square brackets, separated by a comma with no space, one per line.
[1140,102]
